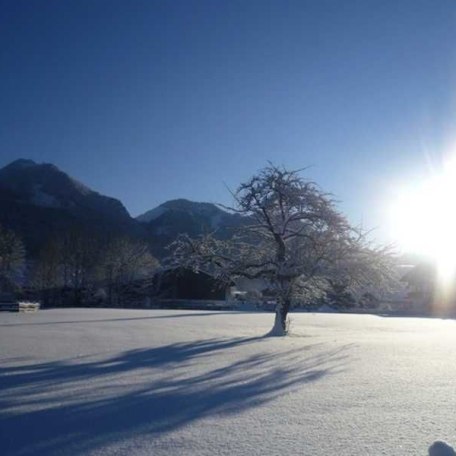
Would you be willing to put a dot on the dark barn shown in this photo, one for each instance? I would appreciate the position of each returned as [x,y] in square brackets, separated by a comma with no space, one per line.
[186,284]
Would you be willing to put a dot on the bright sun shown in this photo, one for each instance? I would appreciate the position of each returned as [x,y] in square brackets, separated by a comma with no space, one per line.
[424,220]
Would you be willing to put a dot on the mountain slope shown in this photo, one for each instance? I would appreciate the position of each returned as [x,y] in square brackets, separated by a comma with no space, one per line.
[165,222]
[39,201]
[44,185]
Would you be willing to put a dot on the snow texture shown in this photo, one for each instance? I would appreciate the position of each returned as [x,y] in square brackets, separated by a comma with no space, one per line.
[162,382]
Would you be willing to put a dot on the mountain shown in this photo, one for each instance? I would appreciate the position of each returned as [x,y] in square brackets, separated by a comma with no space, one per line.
[44,185]
[39,200]
[165,222]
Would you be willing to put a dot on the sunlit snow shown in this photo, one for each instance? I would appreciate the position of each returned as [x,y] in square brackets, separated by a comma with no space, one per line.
[159,382]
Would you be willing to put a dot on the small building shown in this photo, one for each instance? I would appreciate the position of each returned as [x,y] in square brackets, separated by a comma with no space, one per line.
[181,283]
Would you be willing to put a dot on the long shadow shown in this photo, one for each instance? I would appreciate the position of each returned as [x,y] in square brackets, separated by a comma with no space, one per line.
[52,323]
[67,408]
[58,372]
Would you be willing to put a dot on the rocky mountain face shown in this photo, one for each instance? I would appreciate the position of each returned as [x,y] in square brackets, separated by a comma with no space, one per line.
[39,201]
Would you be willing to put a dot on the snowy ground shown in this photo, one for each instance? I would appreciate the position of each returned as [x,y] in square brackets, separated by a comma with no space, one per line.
[138,382]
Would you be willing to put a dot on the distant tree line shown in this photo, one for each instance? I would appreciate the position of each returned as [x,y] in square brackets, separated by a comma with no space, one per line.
[12,260]
[75,268]
[78,267]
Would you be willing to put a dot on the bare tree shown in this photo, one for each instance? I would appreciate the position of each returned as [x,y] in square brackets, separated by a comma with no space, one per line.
[124,261]
[297,243]
[67,266]
[73,265]
[79,254]
[47,276]
[12,257]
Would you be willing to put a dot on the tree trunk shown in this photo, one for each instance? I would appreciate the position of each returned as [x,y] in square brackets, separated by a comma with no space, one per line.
[280,322]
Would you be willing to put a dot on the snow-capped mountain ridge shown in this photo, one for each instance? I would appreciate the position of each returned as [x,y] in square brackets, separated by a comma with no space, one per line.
[197,209]
[182,215]
[165,222]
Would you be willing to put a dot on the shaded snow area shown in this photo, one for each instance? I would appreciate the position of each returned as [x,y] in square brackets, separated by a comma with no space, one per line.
[41,198]
[157,382]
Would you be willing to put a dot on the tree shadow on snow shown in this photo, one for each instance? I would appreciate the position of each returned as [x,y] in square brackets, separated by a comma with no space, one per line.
[75,406]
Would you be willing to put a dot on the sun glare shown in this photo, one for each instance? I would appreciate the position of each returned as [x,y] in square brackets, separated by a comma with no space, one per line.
[424,220]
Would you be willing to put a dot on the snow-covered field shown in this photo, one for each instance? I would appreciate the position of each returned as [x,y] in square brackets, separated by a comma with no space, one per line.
[156,382]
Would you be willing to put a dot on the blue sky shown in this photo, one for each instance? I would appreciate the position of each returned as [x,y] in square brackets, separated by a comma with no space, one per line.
[153,100]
